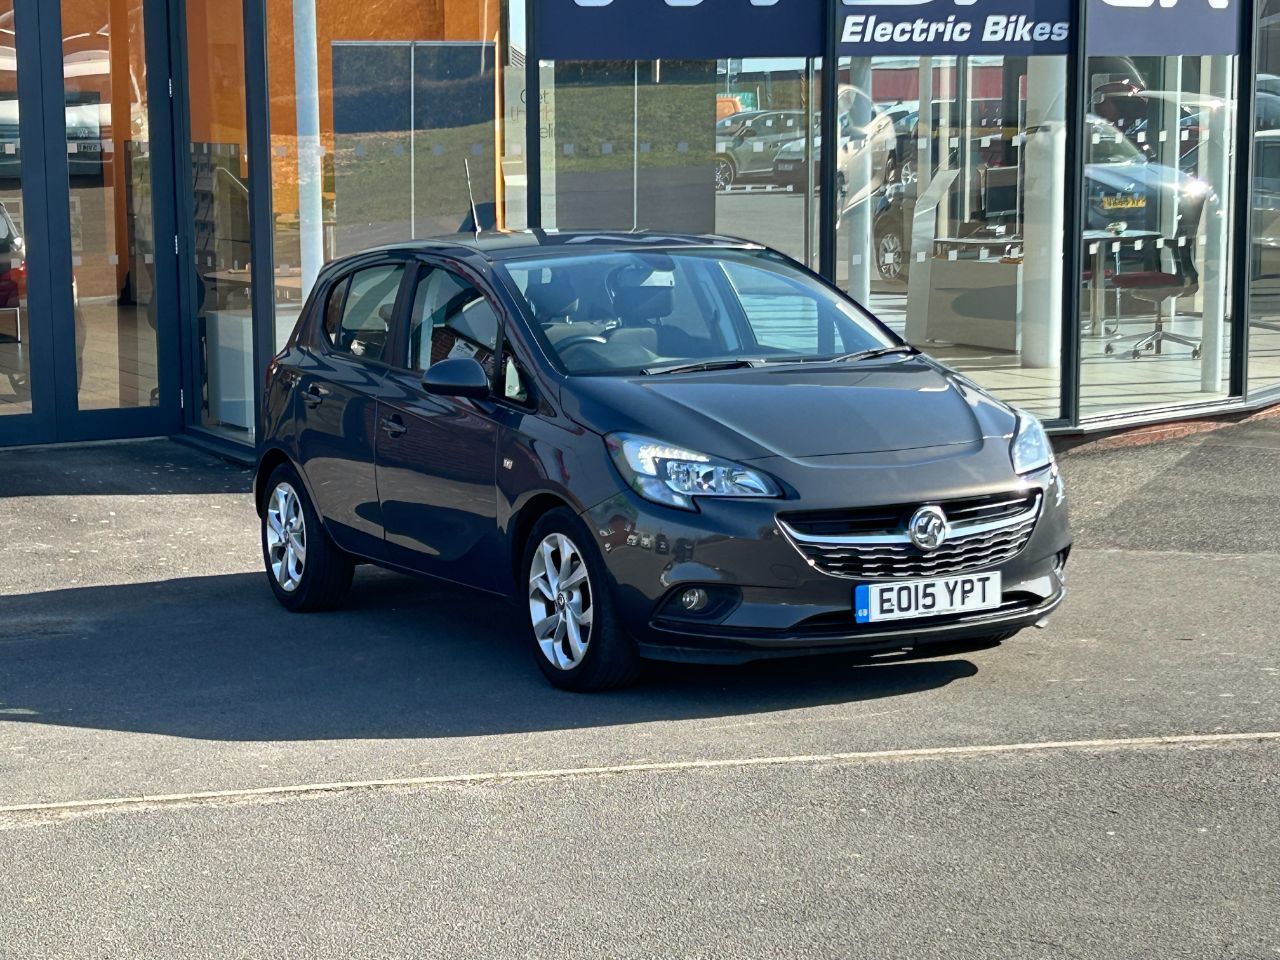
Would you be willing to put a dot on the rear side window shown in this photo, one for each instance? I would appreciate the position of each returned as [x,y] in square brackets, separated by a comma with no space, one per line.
[357,318]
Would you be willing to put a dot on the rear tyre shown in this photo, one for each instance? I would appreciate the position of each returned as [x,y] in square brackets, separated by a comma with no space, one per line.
[576,636]
[306,569]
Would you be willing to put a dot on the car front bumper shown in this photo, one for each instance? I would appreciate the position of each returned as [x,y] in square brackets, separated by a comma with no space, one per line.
[778,603]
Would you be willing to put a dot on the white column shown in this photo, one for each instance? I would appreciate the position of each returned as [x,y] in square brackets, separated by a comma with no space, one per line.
[306,70]
[547,140]
[1215,159]
[858,174]
[1044,157]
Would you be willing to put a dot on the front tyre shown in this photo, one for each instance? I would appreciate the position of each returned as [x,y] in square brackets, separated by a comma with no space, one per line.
[577,640]
[306,570]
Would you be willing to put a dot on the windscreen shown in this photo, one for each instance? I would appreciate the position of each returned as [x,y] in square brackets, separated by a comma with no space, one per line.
[628,312]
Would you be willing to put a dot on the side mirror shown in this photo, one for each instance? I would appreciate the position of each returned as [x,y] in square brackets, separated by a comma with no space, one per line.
[457,377]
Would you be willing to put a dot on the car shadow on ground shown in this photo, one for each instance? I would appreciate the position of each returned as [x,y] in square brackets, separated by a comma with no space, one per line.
[216,658]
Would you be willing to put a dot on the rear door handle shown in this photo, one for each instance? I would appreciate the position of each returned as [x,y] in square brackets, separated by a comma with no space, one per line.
[393,427]
[313,395]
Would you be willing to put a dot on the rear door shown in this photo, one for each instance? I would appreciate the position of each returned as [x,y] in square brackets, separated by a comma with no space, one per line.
[436,455]
[341,379]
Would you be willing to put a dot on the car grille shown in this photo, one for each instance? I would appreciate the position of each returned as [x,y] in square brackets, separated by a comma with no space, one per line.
[873,544]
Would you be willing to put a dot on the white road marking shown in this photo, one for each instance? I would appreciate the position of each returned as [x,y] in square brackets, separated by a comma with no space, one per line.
[465,779]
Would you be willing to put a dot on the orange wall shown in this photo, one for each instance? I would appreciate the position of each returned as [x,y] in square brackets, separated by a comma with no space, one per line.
[215,57]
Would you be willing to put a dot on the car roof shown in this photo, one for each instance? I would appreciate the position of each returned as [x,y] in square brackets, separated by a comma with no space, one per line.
[498,245]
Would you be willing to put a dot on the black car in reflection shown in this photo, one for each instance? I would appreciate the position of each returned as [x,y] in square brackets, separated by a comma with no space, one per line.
[668,447]
[1123,189]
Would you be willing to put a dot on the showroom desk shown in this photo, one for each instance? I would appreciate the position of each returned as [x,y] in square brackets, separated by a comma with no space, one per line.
[975,293]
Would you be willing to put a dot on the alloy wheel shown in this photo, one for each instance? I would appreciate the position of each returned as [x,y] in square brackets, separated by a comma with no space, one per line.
[286,533]
[560,601]
[724,174]
[890,256]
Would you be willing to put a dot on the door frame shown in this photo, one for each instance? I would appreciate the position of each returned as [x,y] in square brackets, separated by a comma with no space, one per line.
[46,195]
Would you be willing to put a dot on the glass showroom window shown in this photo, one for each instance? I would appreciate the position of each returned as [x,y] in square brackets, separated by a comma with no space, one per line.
[1264,293]
[15,326]
[220,217]
[701,146]
[1159,142]
[386,120]
[952,174]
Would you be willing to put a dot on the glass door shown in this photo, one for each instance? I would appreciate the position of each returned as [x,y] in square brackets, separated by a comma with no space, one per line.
[117,307]
[88,328]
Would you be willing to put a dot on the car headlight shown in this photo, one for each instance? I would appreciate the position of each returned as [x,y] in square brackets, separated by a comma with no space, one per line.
[1030,449]
[674,476]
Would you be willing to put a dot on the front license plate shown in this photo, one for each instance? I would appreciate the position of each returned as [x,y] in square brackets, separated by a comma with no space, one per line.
[910,599]
[785,167]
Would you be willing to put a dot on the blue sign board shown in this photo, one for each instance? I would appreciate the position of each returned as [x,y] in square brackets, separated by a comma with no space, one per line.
[878,28]
[714,29]
[1137,28]
[677,29]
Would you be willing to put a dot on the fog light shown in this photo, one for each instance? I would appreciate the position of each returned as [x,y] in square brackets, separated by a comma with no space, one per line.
[694,599]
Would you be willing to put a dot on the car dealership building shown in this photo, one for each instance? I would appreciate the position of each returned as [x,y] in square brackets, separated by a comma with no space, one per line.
[1075,202]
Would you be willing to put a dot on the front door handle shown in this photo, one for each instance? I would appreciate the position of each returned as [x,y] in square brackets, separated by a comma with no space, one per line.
[393,427]
[313,395]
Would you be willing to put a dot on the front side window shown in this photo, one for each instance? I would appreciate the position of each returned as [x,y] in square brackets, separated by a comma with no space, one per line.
[360,309]
[450,318]
[627,312]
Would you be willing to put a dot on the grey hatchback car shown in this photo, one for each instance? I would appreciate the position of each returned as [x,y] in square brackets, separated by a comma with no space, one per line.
[669,447]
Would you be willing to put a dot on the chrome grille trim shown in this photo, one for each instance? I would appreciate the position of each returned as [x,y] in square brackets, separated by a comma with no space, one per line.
[890,554]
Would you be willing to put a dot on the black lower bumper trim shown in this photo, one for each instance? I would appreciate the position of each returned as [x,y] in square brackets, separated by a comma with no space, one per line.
[728,648]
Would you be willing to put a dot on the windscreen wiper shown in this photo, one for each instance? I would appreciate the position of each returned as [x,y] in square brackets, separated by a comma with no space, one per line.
[904,348]
[703,365]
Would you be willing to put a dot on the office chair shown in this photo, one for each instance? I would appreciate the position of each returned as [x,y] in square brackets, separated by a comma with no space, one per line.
[1157,286]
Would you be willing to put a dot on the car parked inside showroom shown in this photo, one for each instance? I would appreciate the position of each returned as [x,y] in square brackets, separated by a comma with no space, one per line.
[670,447]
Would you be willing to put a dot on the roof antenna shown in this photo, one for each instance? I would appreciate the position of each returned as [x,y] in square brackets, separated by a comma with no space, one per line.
[475,217]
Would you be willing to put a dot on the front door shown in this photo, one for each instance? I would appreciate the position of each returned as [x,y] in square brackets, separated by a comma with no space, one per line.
[436,455]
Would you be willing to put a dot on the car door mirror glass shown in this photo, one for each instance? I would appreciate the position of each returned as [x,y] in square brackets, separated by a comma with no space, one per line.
[457,377]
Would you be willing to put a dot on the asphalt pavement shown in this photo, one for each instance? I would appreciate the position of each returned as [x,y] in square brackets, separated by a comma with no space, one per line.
[187,770]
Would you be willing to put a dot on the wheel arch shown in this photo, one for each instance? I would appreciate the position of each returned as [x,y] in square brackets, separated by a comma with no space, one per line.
[271,458]
[523,521]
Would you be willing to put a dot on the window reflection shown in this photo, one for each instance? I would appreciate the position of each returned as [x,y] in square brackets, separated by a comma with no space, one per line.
[220,217]
[386,122]
[15,329]
[951,211]
[112,233]
[1156,280]
[1264,275]
[627,145]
